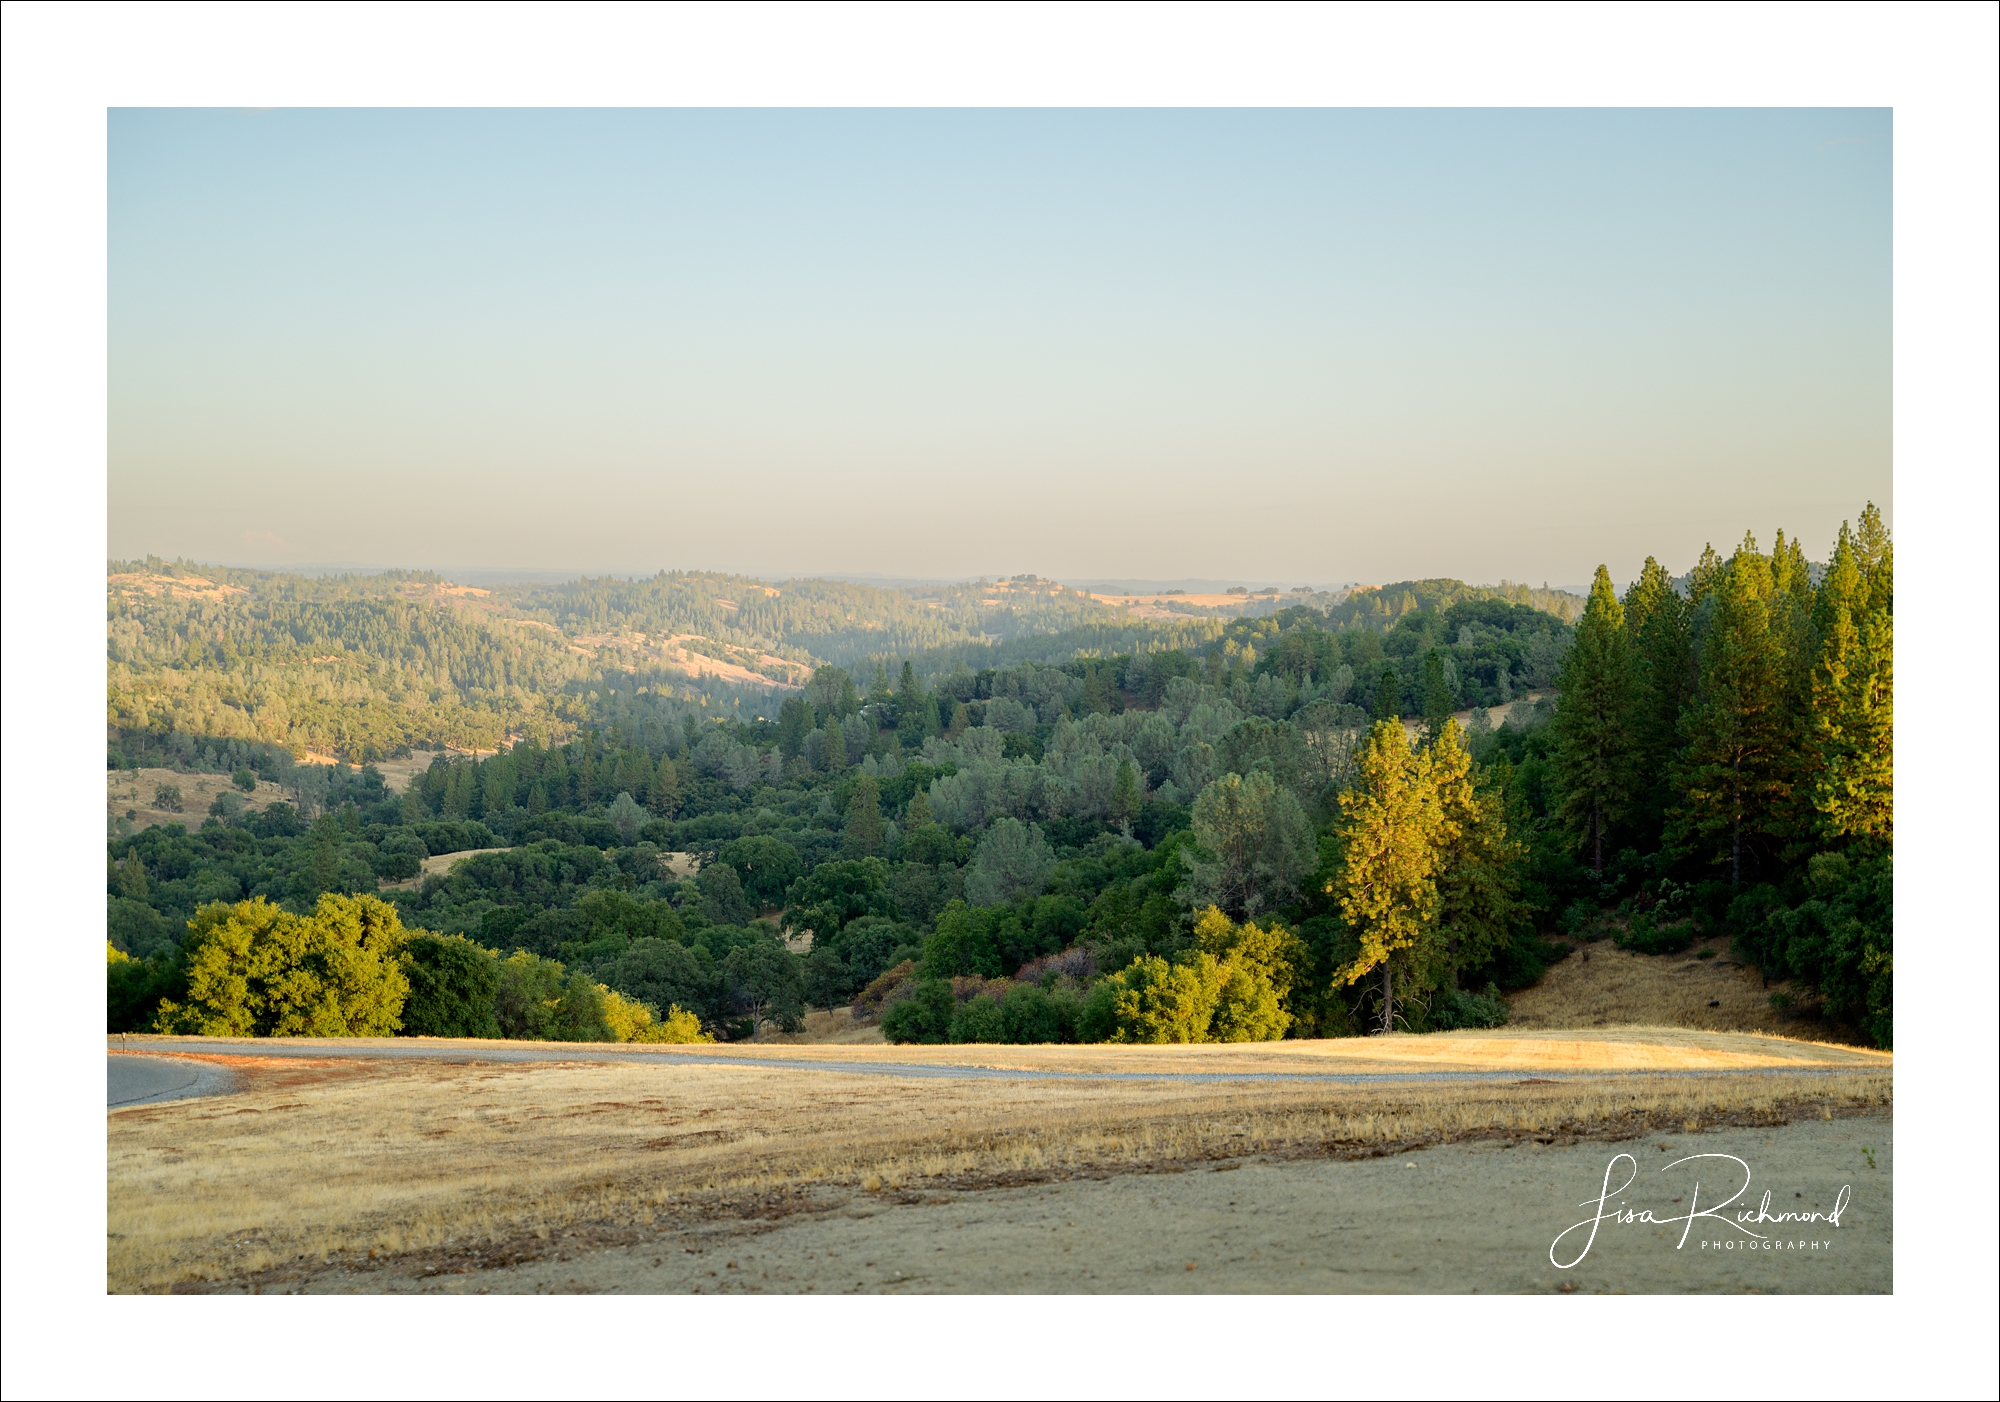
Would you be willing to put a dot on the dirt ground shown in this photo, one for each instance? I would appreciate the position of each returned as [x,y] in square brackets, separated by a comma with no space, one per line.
[343,1173]
[1460,1218]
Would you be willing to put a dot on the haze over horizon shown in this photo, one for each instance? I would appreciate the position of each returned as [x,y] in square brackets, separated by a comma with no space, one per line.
[1265,346]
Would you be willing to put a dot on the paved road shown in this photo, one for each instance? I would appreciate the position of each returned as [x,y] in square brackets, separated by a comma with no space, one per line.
[597,1052]
[147,1080]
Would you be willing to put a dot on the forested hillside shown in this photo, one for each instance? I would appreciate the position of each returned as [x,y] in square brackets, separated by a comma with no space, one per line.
[1202,830]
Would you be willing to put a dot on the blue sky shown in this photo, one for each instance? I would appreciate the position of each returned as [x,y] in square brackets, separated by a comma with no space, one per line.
[1297,346]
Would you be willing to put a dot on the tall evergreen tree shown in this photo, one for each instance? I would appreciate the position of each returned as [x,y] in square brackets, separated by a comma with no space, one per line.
[1853,695]
[1736,768]
[1389,696]
[1437,697]
[1594,722]
[1393,827]
[1707,575]
[864,820]
[1656,626]
[1479,867]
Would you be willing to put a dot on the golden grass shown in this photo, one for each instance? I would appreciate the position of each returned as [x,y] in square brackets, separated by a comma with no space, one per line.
[1601,985]
[132,789]
[835,1028]
[336,1161]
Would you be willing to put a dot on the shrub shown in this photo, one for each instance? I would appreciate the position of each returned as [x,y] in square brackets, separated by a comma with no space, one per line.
[1031,1013]
[979,1020]
[885,988]
[1453,1009]
[245,778]
[1156,1002]
[1577,919]
[1076,964]
[538,1000]
[136,987]
[1646,937]
[925,1016]
[452,986]
[678,1027]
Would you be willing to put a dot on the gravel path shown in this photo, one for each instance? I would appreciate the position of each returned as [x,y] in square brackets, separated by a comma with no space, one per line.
[148,1080]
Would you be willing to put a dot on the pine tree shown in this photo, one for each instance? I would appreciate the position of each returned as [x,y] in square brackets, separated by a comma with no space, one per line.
[1389,696]
[666,789]
[864,820]
[1125,792]
[1392,829]
[1437,697]
[1594,722]
[1853,696]
[1735,770]
[1479,867]
[1656,625]
[1707,575]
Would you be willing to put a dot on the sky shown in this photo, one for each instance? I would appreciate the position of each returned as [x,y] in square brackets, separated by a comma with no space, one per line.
[1280,346]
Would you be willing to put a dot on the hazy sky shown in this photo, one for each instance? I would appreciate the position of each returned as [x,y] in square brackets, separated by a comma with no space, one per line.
[1285,346]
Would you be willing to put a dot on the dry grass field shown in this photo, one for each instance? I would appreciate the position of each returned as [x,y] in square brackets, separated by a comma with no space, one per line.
[1601,985]
[132,791]
[328,1165]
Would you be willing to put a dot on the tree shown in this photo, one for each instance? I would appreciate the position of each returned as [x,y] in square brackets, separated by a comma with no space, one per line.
[833,751]
[1389,695]
[910,701]
[1479,867]
[167,798]
[1853,701]
[452,986]
[1735,770]
[1125,792]
[666,973]
[1013,860]
[863,833]
[825,899]
[1392,829]
[722,895]
[626,815]
[666,788]
[1437,695]
[255,970]
[824,977]
[1152,1001]
[767,867]
[1261,965]
[763,982]
[1253,845]
[1593,726]
[1656,624]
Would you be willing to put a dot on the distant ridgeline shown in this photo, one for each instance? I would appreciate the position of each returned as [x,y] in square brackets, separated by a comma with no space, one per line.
[1045,820]
[371,665]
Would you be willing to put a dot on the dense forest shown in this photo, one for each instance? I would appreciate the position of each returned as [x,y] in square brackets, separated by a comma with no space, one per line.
[1080,826]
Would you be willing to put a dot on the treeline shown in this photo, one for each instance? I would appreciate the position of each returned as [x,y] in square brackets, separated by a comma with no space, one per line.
[350,969]
[1050,839]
